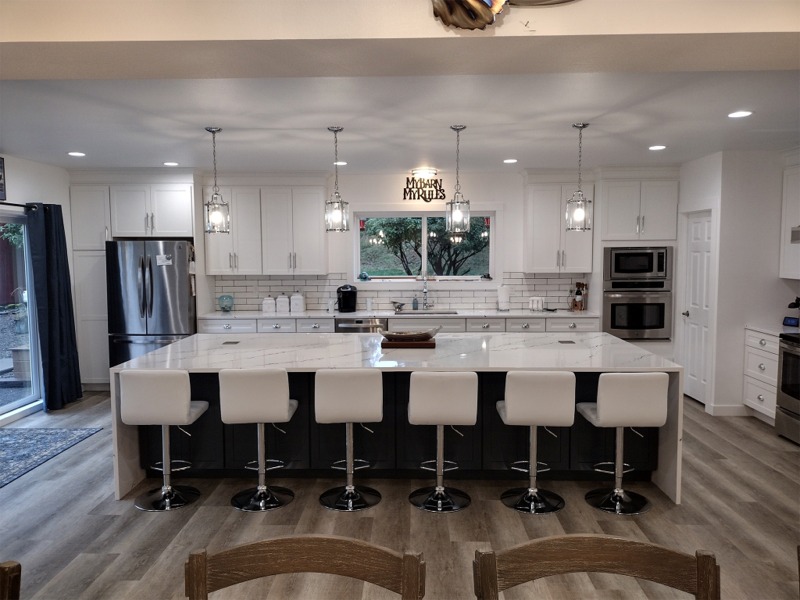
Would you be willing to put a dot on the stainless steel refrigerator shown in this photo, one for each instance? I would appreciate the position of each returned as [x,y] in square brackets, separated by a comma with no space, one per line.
[151,296]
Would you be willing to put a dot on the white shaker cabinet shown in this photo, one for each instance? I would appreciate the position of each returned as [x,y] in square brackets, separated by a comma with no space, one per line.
[790,218]
[157,210]
[237,252]
[549,247]
[293,230]
[760,371]
[90,216]
[91,315]
[639,210]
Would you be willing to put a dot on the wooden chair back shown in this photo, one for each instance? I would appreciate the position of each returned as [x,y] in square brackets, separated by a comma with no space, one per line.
[403,574]
[10,580]
[578,553]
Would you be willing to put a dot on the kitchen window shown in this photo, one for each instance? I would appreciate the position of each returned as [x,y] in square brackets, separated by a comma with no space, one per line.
[405,247]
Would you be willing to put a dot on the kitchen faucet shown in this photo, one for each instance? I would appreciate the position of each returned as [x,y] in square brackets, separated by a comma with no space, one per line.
[425,304]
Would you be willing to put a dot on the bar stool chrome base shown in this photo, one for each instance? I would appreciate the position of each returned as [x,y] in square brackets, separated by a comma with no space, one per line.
[258,499]
[618,501]
[534,502]
[350,499]
[174,497]
[439,500]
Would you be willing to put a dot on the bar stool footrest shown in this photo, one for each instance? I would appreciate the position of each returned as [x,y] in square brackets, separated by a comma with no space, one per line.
[626,468]
[271,465]
[448,465]
[541,467]
[358,464]
[176,466]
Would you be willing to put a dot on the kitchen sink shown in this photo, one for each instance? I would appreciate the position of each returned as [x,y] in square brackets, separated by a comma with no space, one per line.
[427,311]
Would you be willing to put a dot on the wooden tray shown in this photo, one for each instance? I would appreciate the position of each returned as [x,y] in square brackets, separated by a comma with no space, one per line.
[418,344]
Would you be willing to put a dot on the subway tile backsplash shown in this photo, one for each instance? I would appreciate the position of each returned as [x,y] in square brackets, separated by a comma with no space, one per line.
[248,291]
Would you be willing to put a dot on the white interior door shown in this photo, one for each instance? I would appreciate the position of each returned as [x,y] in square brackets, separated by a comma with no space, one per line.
[696,306]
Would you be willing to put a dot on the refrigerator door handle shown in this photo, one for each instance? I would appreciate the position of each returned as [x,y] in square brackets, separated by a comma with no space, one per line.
[149,286]
[140,286]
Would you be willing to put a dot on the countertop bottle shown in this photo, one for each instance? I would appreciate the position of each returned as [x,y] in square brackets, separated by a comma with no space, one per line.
[415,304]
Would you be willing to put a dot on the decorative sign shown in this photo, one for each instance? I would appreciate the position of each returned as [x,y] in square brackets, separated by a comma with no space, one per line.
[423,189]
[467,14]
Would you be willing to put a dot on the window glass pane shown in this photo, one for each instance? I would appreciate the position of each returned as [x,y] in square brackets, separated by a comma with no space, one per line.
[458,255]
[391,246]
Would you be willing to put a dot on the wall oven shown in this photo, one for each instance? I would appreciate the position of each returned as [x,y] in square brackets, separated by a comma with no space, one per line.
[637,293]
[787,413]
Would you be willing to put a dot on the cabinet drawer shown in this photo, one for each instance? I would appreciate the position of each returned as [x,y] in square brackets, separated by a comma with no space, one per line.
[276,326]
[759,396]
[761,365]
[315,325]
[762,341]
[525,325]
[486,324]
[573,325]
[223,326]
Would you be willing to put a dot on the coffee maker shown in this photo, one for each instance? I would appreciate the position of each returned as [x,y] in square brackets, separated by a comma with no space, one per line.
[346,297]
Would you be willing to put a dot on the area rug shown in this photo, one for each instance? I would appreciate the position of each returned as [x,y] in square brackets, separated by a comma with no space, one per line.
[23,449]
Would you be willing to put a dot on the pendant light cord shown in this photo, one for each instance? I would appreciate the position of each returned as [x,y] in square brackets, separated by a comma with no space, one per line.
[214,154]
[458,159]
[336,162]
[580,127]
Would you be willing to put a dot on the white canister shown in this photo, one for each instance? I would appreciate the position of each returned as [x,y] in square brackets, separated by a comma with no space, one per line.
[297,304]
[503,298]
[536,303]
[268,305]
[282,303]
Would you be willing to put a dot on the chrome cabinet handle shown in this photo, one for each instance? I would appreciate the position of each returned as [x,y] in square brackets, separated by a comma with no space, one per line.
[226,326]
[762,342]
[685,313]
[145,223]
[294,260]
[152,222]
[230,260]
[236,259]
[762,367]
[642,231]
[558,258]
[276,326]
[760,397]
[106,232]
[564,258]
[315,326]
[485,326]
[525,326]
[573,325]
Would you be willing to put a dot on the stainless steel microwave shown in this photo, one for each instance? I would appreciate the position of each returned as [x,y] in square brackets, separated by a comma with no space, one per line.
[621,264]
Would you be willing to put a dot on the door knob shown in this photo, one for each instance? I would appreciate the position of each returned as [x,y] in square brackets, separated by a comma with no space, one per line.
[685,313]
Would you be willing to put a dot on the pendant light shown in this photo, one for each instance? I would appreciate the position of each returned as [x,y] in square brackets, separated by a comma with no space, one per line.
[337,211]
[578,218]
[457,210]
[217,211]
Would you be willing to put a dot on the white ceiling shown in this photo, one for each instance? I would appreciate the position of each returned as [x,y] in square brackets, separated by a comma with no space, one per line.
[399,116]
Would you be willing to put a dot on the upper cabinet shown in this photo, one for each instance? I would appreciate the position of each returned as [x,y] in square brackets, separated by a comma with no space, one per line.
[790,218]
[237,252]
[639,210]
[158,210]
[294,241]
[90,216]
[549,247]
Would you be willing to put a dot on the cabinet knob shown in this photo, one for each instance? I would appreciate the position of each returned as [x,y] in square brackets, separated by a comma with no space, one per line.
[315,326]
[276,326]
[762,366]
[525,326]
[485,326]
[760,397]
[573,325]
[226,326]
[685,313]
[762,342]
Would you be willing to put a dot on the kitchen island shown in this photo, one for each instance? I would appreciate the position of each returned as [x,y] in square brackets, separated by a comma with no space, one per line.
[489,354]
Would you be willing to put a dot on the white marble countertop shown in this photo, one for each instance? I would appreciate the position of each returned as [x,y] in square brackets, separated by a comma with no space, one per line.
[389,314]
[775,329]
[597,352]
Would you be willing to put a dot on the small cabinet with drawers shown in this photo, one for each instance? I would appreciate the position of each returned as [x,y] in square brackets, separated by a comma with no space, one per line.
[226,326]
[486,324]
[525,325]
[276,325]
[572,325]
[315,325]
[760,371]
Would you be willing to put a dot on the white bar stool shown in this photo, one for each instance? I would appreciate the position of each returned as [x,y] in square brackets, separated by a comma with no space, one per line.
[440,399]
[349,396]
[625,400]
[257,396]
[160,397]
[535,398]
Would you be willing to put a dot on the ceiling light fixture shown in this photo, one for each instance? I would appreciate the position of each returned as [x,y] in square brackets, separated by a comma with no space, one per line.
[424,173]
[170,164]
[578,206]
[657,147]
[77,154]
[457,210]
[510,161]
[337,211]
[740,113]
[217,211]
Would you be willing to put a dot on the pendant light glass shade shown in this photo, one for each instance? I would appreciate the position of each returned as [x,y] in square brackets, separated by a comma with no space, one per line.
[337,211]
[578,217]
[457,210]
[217,211]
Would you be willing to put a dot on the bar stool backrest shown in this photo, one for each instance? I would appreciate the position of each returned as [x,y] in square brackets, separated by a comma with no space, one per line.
[155,397]
[632,399]
[580,553]
[540,398]
[348,396]
[254,396]
[403,574]
[443,398]
[10,580]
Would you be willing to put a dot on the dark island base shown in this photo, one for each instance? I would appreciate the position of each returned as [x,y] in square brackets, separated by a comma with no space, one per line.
[396,448]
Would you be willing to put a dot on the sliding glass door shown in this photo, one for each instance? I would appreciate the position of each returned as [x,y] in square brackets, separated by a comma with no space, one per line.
[19,349]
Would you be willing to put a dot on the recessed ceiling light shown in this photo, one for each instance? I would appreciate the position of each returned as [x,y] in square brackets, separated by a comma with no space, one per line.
[509,161]
[340,163]
[76,153]
[740,113]
[170,164]
[657,147]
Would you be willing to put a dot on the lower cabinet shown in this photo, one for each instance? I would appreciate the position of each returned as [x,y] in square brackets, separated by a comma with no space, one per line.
[489,446]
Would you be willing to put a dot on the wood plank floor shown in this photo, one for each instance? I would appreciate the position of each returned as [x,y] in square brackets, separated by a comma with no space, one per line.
[741,501]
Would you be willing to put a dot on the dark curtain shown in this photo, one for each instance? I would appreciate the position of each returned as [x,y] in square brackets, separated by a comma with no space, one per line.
[56,322]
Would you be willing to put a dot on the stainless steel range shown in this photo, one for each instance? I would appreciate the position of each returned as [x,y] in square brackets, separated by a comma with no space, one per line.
[787,415]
